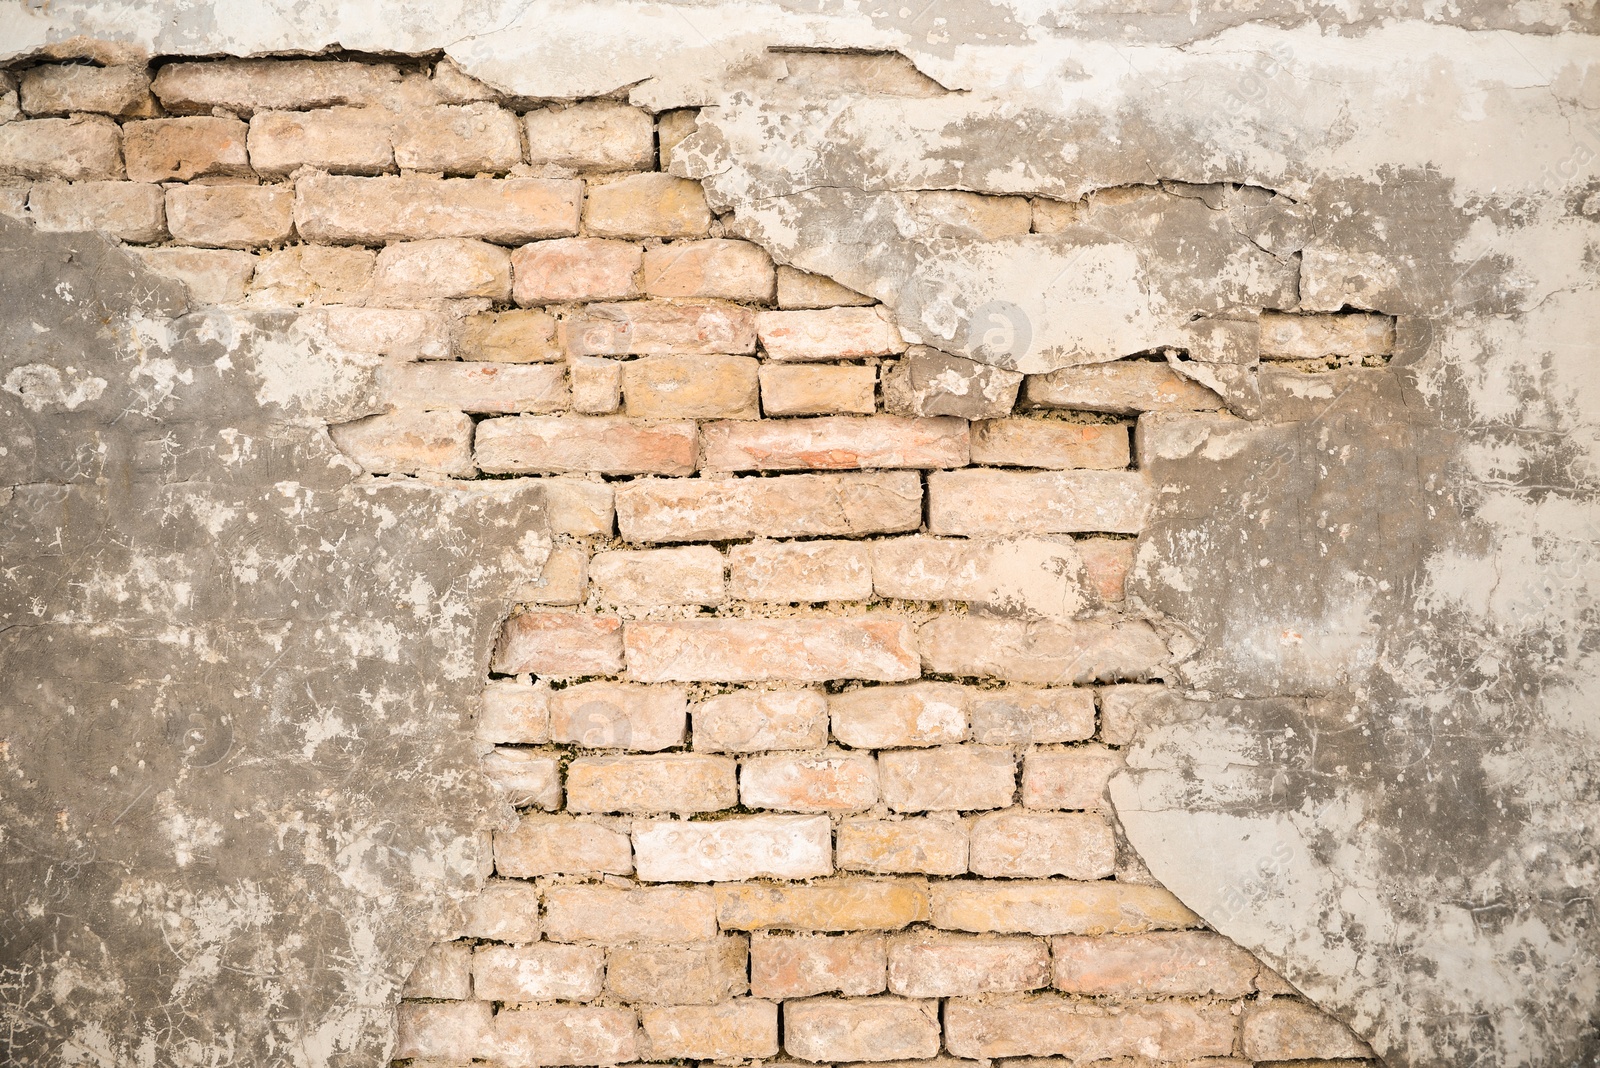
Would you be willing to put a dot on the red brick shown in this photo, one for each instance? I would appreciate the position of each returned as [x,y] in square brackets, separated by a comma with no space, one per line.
[503,911]
[575,269]
[604,444]
[339,140]
[763,650]
[705,386]
[443,269]
[74,88]
[246,85]
[834,443]
[933,964]
[1106,562]
[1169,963]
[800,965]
[132,211]
[818,389]
[559,643]
[595,135]
[828,334]
[1031,577]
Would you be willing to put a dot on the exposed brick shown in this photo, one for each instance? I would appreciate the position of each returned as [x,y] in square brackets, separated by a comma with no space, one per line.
[316,274]
[771,650]
[504,911]
[230,216]
[1050,1025]
[371,211]
[933,964]
[612,915]
[409,443]
[518,336]
[671,128]
[700,974]
[972,216]
[465,139]
[541,972]
[835,905]
[949,778]
[560,845]
[800,965]
[926,846]
[75,149]
[733,1030]
[1313,337]
[860,1029]
[212,276]
[1282,1030]
[475,387]
[340,140]
[739,847]
[821,389]
[717,268]
[1056,906]
[1169,963]
[563,581]
[596,135]
[833,443]
[833,781]
[1055,654]
[800,571]
[981,501]
[247,85]
[404,333]
[1124,710]
[926,381]
[605,444]
[1054,216]
[753,721]
[618,715]
[566,1035]
[451,1029]
[560,644]
[646,205]
[131,211]
[1106,562]
[1017,844]
[443,973]
[442,269]
[57,89]
[577,507]
[783,507]
[596,384]
[691,387]
[884,717]
[514,712]
[648,328]
[575,269]
[827,334]
[176,150]
[1049,443]
[1069,778]
[1123,387]
[1017,576]
[797,289]
[1019,715]
[529,777]
[668,782]
[644,577]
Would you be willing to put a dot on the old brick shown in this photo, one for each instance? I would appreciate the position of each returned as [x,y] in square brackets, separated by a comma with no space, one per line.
[503,911]
[618,715]
[605,444]
[560,845]
[444,972]
[646,205]
[752,721]
[518,336]
[212,276]
[884,717]
[716,268]
[981,501]
[1281,1030]
[740,847]
[928,382]
[566,1035]
[596,135]
[1017,844]
[596,384]
[797,289]
[442,269]
[1053,654]
[1168,963]
[1049,443]
[1122,387]
[827,334]
[691,387]
[787,506]
[451,1029]
[1069,778]
[612,915]
[933,964]
[971,216]
[475,387]
[671,128]
[734,1030]
[1106,562]
[647,328]
[340,140]
[1056,906]
[1313,337]
[230,216]
[1041,578]
[529,777]
[860,1029]
[834,442]
[559,643]
[927,846]
[246,85]
[514,712]
[801,571]
[646,577]
[409,443]
[131,211]
[368,211]
[75,149]
[541,972]
[575,269]
[58,89]
[800,965]
[577,507]
[821,389]
[1050,1025]
[949,778]
[668,782]
[404,333]
[833,781]
[316,274]
[458,139]
[176,150]
[564,579]
[1124,710]
[835,905]
[771,650]
[1054,216]
[700,974]
[1020,715]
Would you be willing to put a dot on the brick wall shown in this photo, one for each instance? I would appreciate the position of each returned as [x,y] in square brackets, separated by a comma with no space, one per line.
[810,727]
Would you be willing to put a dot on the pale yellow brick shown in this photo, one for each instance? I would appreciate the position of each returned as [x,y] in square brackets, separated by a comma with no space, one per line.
[752,721]
[827,334]
[1046,1025]
[338,140]
[1125,709]
[577,507]
[709,386]
[1020,715]
[575,269]
[671,128]
[952,213]
[832,781]
[316,274]
[230,216]
[1282,1030]
[717,268]
[800,965]
[739,847]
[797,289]
[800,571]
[819,389]
[596,135]
[646,205]
[458,139]
[850,904]
[564,579]
[1054,216]
[925,846]
[771,650]
[530,778]
[833,442]
[559,644]
[860,1029]
[886,717]
[644,577]
[1069,778]
[557,1035]
[648,327]
[618,715]
[504,912]
[588,443]
[596,384]
[371,211]
[517,336]
[734,1030]
[177,150]
[561,845]
[409,443]
[981,501]
[131,211]
[612,915]
[1056,906]
[1043,653]
[1166,963]
[79,148]
[515,712]
[446,1029]
[541,972]
[443,972]
[404,333]
[949,778]
[1049,443]
[1122,387]
[1018,844]
[665,782]
[475,387]
[212,276]
[443,269]
[122,91]
[701,974]
[243,86]
[936,964]
[786,506]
